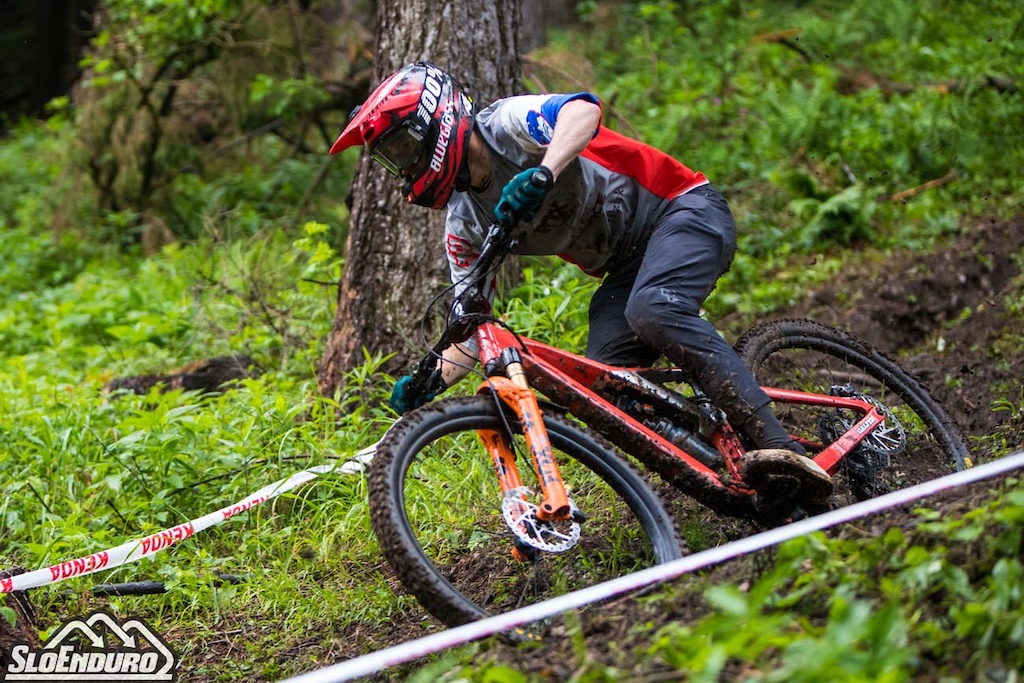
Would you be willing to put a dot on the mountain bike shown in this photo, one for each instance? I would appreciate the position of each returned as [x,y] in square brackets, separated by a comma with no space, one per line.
[528,489]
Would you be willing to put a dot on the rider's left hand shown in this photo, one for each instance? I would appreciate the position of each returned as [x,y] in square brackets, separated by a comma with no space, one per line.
[404,398]
[523,195]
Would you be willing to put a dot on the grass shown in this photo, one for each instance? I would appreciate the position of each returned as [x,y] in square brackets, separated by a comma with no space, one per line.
[932,597]
[83,471]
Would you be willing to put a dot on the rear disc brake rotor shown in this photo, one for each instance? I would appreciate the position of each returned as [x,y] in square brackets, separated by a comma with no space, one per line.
[885,441]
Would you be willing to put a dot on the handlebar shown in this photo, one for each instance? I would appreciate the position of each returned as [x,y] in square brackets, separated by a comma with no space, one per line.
[500,240]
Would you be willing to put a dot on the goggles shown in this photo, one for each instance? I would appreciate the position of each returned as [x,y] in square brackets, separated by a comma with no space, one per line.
[401,150]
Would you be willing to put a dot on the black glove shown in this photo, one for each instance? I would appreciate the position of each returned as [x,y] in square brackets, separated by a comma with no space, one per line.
[523,195]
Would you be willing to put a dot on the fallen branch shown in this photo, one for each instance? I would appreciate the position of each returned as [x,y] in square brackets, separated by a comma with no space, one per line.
[938,182]
[213,374]
[786,38]
[853,80]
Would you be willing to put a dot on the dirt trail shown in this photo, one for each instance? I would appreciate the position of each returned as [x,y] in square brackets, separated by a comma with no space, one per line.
[950,317]
[953,318]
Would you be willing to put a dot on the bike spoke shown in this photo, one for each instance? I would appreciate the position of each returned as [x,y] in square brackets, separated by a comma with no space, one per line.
[916,441]
[450,541]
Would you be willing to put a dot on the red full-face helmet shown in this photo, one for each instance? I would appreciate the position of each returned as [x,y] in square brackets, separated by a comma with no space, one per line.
[416,124]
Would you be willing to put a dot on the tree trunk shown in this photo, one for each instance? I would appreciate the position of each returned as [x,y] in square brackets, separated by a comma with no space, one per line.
[40,44]
[395,261]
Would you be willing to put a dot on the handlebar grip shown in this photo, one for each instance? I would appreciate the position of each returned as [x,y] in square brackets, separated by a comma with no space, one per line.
[542,178]
[538,179]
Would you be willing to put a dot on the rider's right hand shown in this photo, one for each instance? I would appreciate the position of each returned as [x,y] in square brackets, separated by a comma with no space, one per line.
[522,197]
[405,397]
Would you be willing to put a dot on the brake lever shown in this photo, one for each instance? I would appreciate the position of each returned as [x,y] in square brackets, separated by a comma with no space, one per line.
[507,235]
[425,376]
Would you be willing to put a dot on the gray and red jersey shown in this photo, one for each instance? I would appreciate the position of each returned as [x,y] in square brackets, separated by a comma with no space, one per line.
[602,208]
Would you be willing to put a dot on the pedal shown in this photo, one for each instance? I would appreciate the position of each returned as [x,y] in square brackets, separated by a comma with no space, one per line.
[775,492]
[784,478]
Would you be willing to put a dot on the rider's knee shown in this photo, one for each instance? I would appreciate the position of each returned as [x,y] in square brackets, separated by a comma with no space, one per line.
[647,313]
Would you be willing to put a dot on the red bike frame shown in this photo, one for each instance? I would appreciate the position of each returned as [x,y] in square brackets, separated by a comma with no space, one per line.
[574,382]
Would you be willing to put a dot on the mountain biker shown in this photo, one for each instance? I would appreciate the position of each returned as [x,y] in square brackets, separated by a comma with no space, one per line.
[656,231]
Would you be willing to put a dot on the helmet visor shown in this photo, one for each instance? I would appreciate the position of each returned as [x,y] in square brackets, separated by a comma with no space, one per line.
[400,151]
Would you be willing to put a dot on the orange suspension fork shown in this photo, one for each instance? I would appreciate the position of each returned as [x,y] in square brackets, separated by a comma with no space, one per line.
[504,459]
[514,391]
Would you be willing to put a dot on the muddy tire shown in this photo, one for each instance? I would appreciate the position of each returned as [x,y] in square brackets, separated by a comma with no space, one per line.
[809,356]
[435,505]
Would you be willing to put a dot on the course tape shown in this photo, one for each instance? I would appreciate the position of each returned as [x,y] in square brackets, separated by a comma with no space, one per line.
[150,545]
[376,662]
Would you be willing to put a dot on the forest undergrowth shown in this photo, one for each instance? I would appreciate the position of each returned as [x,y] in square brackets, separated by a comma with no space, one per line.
[870,152]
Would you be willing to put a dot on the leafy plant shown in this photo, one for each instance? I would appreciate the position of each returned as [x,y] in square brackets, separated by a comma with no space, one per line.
[814,119]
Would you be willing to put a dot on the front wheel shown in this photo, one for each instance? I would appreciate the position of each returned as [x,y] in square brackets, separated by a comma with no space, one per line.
[921,442]
[436,509]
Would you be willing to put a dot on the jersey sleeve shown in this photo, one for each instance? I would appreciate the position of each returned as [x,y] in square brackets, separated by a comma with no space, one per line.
[530,119]
[462,245]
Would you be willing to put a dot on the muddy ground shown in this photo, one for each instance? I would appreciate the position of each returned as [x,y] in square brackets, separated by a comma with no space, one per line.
[952,318]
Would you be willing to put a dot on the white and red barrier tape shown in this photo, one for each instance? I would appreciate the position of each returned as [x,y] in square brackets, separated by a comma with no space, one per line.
[412,650]
[416,649]
[150,545]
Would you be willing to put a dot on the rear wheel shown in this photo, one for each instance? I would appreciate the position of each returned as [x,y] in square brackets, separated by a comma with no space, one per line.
[919,442]
[436,509]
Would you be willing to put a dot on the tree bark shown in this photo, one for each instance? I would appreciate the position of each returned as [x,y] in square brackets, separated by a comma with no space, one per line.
[395,261]
[40,44]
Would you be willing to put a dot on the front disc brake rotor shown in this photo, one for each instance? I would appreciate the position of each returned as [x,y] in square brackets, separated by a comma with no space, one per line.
[521,517]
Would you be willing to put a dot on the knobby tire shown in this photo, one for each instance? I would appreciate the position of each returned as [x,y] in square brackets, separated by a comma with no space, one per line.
[435,509]
[810,356]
